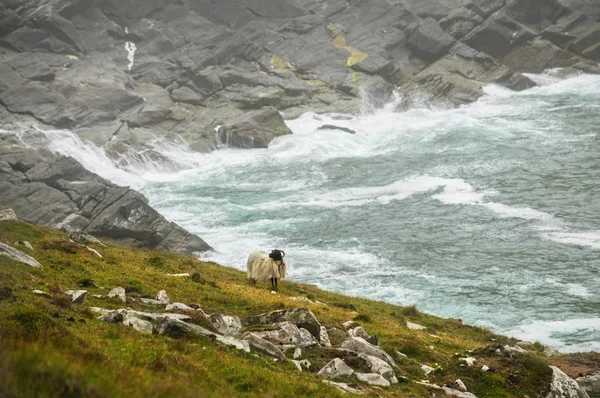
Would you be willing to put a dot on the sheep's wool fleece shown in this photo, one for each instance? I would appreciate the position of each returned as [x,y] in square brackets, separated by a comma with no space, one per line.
[262,268]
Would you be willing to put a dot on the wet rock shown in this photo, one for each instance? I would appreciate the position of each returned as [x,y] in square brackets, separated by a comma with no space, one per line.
[17,255]
[361,346]
[253,129]
[373,379]
[335,368]
[226,324]
[301,317]
[563,386]
[429,40]
[263,345]
[77,296]
[7,214]
[118,292]
[333,127]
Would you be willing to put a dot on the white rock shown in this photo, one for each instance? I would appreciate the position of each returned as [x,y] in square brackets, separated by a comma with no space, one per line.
[301,298]
[427,369]
[180,275]
[551,351]
[344,387]
[514,348]
[460,385]
[94,251]
[373,379]
[40,293]
[590,382]
[360,345]
[335,368]
[263,345]
[118,292]
[324,337]
[456,393]
[468,360]
[228,325]
[18,255]
[273,292]
[24,243]
[401,354]
[99,296]
[8,215]
[563,386]
[380,367]
[163,297]
[297,353]
[178,306]
[232,341]
[298,365]
[485,368]
[414,326]
[151,301]
[348,324]
[77,296]
[357,332]
[138,324]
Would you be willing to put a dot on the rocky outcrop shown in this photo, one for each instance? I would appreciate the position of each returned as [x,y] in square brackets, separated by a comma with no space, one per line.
[7,214]
[335,368]
[301,317]
[58,192]
[200,66]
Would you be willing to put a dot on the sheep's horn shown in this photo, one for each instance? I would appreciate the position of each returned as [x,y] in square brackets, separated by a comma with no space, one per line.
[282,252]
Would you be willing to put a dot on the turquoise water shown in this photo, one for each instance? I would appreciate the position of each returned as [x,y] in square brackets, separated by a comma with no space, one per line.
[489,213]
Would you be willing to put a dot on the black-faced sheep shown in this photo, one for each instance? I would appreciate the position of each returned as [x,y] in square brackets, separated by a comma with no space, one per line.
[263,267]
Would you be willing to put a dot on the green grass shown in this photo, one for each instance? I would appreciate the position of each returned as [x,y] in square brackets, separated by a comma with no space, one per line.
[54,348]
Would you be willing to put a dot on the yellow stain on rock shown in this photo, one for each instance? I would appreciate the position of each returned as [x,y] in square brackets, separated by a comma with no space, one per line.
[338,40]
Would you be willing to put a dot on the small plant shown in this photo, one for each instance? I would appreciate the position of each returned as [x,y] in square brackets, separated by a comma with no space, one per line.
[362,318]
[197,278]
[410,310]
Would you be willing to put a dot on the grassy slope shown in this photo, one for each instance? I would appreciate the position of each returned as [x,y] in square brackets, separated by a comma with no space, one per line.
[54,348]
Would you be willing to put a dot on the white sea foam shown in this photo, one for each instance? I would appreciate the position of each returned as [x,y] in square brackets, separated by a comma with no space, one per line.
[590,239]
[575,335]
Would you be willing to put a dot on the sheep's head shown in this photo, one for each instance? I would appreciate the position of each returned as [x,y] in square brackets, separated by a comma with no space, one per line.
[277,255]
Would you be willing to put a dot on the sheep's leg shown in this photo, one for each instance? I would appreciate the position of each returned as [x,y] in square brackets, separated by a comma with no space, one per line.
[272,283]
[276,287]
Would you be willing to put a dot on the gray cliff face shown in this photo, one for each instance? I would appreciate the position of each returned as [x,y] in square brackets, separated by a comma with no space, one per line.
[117,72]
[58,192]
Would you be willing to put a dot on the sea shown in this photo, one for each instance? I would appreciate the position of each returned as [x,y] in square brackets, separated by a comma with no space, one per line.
[489,212]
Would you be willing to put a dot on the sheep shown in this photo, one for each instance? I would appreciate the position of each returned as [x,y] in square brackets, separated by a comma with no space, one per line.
[263,267]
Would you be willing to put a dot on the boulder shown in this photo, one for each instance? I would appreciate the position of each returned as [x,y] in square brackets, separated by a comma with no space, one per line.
[77,296]
[564,387]
[324,337]
[358,332]
[25,244]
[226,324]
[263,345]
[429,41]
[380,367]
[414,326]
[590,382]
[118,292]
[361,346]
[301,317]
[373,379]
[138,324]
[7,214]
[335,368]
[17,255]
[253,129]
[176,328]
[297,353]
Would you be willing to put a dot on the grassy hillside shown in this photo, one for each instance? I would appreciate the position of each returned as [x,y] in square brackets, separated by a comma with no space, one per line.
[51,347]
